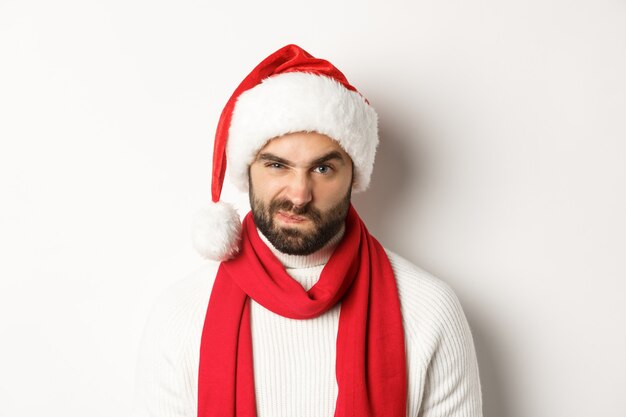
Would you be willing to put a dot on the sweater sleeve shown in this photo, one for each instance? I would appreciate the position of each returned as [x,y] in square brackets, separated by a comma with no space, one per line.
[441,359]
[452,385]
[160,378]
[166,372]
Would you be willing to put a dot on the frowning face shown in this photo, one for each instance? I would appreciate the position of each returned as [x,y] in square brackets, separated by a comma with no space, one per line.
[300,189]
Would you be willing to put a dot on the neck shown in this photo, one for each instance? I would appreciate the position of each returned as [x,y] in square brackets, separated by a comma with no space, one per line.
[317,258]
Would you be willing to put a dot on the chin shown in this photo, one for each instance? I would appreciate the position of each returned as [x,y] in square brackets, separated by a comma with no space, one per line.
[293,231]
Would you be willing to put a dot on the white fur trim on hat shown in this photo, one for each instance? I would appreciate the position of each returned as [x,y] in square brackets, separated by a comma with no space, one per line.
[302,102]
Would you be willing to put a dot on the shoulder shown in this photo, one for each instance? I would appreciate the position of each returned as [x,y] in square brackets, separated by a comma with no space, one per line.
[178,312]
[431,309]
[187,293]
[419,285]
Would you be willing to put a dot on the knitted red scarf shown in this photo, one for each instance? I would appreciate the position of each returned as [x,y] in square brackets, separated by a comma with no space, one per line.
[370,361]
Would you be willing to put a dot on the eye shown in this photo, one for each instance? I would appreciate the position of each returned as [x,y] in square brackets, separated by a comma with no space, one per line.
[322,169]
[274,165]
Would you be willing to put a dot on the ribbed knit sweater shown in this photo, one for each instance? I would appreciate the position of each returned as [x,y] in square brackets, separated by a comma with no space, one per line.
[294,360]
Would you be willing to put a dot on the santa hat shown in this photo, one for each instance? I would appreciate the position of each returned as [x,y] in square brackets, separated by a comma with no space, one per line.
[289,91]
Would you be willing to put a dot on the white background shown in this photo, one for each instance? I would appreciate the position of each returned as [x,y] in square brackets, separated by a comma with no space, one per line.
[501,170]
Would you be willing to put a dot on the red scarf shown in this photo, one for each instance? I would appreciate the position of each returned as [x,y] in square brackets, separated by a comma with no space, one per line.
[370,362]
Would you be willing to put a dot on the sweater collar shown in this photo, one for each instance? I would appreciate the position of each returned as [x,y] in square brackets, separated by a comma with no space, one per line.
[320,257]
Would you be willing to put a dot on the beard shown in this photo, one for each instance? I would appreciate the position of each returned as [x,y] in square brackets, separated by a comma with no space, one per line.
[292,240]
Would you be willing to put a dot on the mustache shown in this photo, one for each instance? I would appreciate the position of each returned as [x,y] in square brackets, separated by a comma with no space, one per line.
[287,206]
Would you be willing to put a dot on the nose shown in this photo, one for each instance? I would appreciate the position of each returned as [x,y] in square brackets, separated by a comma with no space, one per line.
[299,190]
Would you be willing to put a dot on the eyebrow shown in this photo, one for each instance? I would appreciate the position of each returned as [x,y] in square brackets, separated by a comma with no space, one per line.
[267,156]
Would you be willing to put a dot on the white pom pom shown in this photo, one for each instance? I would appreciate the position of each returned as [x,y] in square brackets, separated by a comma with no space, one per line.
[216,231]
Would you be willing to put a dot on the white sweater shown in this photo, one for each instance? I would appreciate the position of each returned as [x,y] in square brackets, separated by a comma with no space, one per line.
[294,360]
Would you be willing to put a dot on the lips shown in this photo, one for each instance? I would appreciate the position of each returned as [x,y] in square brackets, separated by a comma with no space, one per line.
[290,218]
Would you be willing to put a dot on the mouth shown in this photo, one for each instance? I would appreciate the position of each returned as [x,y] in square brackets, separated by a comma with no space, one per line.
[290,218]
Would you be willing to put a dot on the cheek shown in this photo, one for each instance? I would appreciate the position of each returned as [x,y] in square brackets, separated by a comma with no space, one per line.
[329,194]
[264,186]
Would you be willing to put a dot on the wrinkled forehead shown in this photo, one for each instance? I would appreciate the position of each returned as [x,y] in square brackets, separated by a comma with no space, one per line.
[303,147]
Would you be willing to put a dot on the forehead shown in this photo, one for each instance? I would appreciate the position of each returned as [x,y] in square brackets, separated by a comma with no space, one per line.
[303,146]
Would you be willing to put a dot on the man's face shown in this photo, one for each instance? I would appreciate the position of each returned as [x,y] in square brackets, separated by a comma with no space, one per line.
[300,187]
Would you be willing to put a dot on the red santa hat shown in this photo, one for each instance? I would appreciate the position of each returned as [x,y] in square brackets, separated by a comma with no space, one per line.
[289,91]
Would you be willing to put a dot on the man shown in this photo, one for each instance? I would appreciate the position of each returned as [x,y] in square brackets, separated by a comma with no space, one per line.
[305,314]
